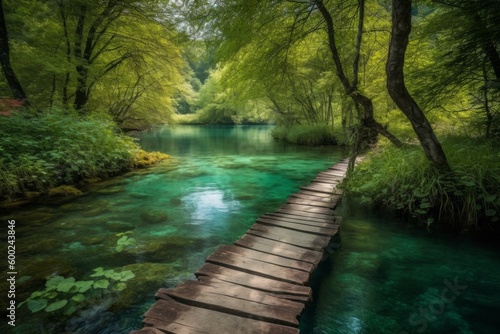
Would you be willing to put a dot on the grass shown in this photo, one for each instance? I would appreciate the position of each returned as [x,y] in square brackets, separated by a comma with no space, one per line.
[309,134]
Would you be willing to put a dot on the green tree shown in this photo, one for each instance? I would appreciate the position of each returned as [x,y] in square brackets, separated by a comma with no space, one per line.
[10,75]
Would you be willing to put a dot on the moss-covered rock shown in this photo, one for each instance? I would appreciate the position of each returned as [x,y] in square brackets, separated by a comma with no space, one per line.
[154,216]
[142,159]
[64,191]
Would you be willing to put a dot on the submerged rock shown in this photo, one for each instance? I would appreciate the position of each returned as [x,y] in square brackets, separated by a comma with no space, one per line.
[65,191]
[154,216]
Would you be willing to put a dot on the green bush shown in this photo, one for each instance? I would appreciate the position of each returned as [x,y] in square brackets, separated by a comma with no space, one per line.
[467,198]
[310,134]
[41,150]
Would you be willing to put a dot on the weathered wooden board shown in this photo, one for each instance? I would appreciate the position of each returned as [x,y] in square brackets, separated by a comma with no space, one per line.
[211,271]
[318,189]
[251,266]
[318,228]
[269,258]
[279,248]
[325,199]
[277,220]
[301,213]
[308,209]
[301,218]
[282,230]
[236,300]
[328,195]
[303,201]
[307,244]
[174,317]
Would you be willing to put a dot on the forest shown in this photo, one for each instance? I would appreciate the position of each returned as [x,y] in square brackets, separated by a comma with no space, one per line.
[412,87]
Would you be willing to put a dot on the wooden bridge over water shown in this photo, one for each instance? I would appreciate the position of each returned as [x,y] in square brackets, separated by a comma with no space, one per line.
[258,284]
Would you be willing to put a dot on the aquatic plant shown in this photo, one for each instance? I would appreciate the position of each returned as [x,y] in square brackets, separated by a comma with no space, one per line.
[124,241]
[68,295]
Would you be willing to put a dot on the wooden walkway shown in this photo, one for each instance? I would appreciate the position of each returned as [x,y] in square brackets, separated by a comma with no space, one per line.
[259,284]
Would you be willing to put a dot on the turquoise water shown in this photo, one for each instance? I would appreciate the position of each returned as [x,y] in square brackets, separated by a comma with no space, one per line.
[391,277]
[387,277]
[220,180]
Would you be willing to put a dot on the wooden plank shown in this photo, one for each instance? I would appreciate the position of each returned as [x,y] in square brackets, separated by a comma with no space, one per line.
[173,317]
[329,221]
[291,234]
[315,193]
[327,199]
[269,258]
[279,248]
[308,209]
[319,230]
[318,189]
[289,240]
[251,266]
[304,214]
[303,201]
[211,271]
[236,300]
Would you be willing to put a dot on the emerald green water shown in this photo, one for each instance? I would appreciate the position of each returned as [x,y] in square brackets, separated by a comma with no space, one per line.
[220,181]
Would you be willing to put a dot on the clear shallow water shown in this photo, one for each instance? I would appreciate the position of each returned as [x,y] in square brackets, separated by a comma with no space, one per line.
[222,179]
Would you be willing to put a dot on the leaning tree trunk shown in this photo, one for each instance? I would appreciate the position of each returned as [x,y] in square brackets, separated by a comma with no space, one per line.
[401,27]
[10,75]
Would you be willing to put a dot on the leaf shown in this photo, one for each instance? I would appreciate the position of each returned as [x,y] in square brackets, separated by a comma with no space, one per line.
[119,248]
[101,284]
[126,275]
[119,286]
[122,240]
[98,272]
[130,242]
[78,298]
[56,306]
[36,305]
[84,285]
[66,284]
[54,281]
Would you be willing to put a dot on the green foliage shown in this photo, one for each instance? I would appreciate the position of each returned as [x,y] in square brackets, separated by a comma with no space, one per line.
[467,198]
[305,134]
[69,295]
[41,150]
[124,241]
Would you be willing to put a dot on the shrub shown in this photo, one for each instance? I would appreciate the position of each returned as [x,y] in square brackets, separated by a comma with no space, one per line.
[467,198]
[41,150]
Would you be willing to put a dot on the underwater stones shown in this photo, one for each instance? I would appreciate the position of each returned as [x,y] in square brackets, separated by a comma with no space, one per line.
[176,201]
[38,245]
[92,241]
[119,226]
[139,195]
[153,216]
[148,277]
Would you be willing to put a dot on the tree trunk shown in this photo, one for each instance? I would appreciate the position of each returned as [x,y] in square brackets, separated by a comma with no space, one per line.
[401,27]
[352,91]
[10,75]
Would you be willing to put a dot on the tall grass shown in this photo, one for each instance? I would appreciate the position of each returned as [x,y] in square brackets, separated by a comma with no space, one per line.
[467,198]
[42,150]
[309,134]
